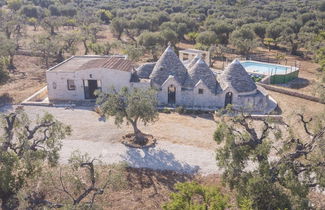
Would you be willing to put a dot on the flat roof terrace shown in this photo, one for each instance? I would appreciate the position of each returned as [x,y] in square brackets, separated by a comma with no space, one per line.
[77,63]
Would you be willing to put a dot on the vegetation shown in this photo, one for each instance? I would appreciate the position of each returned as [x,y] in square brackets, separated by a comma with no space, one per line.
[66,26]
[191,195]
[130,105]
[29,171]
[261,160]
[23,150]
[4,76]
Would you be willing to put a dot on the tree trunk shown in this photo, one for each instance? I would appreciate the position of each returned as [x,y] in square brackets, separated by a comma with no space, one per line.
[10,202]
[86,47]
[11,65]
[52,31]
[294,48]
[139,137]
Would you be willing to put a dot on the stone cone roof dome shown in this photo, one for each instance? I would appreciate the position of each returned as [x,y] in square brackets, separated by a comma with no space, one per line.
[237,77]
[168,64]
[201,71]
[193,61]
[145,70]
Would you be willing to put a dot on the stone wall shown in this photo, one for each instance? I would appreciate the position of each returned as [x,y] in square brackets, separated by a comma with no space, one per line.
[190,97]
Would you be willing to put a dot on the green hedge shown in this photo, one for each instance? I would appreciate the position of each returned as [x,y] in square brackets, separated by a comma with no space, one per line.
[280,79]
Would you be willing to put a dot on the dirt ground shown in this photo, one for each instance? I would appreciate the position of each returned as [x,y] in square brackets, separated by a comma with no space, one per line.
[175,128]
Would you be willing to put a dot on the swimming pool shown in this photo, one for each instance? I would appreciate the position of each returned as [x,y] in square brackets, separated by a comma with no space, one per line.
[255,67]
[277,73]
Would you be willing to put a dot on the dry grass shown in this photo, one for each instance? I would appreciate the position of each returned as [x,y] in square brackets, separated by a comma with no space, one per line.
[136,189]
[29,78]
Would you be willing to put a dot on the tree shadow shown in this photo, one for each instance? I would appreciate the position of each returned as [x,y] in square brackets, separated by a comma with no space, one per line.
[157,159]
[6,102]
[297,83]
[146,178]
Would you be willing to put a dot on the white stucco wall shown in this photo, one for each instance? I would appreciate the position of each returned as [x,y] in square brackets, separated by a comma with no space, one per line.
[190,98]
[252,101]
[108,78]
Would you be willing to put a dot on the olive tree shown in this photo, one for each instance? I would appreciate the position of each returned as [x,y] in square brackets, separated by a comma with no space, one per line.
[152,42]
[48,47]
[4,76]
[131,106]
[103,48]
[244,40]
[8,49]
[274,31]
[274,165]
[206,39]
[290,35]
[118,26]
[74,186]
[24,147]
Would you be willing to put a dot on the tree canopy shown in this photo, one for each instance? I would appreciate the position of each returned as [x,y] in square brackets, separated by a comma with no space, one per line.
[24,146]
[132,106]
[274,166]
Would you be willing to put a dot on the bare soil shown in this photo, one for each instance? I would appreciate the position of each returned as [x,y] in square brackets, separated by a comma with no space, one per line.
[28,78]
[130,140]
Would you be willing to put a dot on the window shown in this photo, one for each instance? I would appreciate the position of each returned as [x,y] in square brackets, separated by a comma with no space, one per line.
[201,91]
[71,85]
[54,85]
[185,56]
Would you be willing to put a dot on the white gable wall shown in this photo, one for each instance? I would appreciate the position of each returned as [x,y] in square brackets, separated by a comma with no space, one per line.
[162,95]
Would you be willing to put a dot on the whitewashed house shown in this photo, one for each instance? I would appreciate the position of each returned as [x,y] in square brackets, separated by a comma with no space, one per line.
[190,84]
[77,78]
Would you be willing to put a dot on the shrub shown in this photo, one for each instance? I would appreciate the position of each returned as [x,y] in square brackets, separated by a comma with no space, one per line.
[191,195]
[180,110]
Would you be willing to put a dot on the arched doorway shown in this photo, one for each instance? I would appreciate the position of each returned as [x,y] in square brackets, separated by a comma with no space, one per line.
[171,94]
[228,99]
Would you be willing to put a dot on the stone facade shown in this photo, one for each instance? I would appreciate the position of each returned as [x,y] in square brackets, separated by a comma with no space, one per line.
[199,87]
[191,85]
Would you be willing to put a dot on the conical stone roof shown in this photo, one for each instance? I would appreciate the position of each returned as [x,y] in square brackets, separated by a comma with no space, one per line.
[201,71]
[193,62]
[168,64]
[237,77]
[145,70]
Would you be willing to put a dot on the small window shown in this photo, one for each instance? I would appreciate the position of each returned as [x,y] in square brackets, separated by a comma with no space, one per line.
[201,91]
[185,57]
[71,85]
[54,85]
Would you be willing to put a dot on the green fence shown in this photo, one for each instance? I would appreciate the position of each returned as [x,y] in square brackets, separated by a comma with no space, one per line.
[284,78]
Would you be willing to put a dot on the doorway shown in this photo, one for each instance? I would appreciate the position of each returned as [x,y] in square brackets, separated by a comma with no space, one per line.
[90,86]
[228,99]
[171,95]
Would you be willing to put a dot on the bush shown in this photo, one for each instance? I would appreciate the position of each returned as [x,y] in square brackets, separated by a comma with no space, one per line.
[166,111]
[180,110]
[4,76]
[191,195]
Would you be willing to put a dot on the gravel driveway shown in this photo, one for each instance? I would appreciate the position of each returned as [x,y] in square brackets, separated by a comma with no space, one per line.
[164,156]
[184,142]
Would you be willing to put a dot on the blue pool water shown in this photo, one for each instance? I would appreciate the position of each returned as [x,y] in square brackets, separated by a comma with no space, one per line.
[261,68]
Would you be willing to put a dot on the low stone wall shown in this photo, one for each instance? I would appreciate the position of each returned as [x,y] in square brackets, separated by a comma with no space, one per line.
[292,93]
[38,98]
